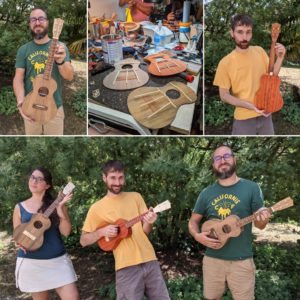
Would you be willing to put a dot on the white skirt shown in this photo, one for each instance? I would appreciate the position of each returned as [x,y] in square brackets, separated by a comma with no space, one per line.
[38,275]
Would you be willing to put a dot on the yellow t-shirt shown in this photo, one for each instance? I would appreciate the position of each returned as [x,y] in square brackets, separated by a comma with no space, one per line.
[133,250]
[241,72]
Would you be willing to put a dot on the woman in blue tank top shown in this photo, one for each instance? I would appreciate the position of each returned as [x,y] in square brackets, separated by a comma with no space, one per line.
[48,267]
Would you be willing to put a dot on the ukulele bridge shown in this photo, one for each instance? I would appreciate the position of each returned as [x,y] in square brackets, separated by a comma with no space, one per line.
[40,107]
[28,234]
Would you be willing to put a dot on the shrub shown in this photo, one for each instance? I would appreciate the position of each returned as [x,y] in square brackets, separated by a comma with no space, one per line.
[8,104]
[79,103]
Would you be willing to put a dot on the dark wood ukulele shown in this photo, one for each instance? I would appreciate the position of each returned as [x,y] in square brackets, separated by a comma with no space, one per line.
[31,235]
[127,75]
[156,107]
[124,228]
[268,97]
[161,64]
[39,104]
[232,226]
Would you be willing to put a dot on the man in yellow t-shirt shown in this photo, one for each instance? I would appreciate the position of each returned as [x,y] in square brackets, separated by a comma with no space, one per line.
[137,269]
[238,78]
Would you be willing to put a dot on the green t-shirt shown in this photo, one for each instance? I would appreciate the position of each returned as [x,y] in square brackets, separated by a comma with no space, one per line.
[32,57]
[218,202]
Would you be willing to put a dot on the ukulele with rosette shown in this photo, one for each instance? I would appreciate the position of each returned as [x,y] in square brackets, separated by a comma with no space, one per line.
[125,230]
[268,97]
[31,235]
[39,104]
[232,226]
[161,64]
[127,75]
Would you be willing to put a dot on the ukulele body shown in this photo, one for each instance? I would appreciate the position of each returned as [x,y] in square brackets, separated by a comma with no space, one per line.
[268,97]
[154,108]
[31,235]
[39,104]
[162,64]
[127,75]
[222,230]
[110,244]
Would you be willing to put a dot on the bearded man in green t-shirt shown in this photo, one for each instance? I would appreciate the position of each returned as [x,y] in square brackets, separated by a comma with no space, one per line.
[229,195]
[30,62]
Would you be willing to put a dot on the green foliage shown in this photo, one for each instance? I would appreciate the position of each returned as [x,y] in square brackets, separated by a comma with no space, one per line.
[217,112]
[291,108]
[79,103]
[8,104]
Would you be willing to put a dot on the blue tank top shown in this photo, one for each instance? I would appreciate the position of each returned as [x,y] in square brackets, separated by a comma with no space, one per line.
[53,245]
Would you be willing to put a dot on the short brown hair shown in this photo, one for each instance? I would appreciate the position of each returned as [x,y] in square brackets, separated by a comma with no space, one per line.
[240,20]
[113,166]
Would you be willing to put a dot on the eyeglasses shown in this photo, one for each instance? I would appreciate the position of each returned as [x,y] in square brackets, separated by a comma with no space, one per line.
[36,179]
[226,157]
[40,19]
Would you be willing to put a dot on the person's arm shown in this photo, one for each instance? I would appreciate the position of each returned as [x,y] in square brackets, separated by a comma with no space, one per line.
[145,9]
[200,237]
[64,67]
[89,238]
[123,2]
[19,91]
[228,98]
[16,217]
[280,53]
[65,226]
[148,221]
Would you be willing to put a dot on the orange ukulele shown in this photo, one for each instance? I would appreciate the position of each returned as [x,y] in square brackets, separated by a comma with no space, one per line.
[268,97]
[161,64]
[232,226]
[124,228]
[31,235]
[39,104]
[127,75]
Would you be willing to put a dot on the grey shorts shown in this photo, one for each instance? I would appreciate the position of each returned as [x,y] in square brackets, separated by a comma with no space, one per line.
[132,283]
[254,126]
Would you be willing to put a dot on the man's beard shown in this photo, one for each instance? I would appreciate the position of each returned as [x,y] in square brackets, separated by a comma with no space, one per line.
[39,35]
[226,173]
[243,44]
[112,190]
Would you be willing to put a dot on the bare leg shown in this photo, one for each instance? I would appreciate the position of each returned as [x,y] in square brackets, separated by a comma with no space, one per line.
[40,295]
[68,292]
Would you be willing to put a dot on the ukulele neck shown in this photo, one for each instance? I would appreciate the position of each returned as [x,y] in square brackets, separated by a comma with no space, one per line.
[272,58]
[135,220]
[50,60]
[53,205]
[250,219]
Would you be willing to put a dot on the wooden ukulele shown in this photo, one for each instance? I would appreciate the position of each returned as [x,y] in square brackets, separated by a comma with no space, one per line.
[39,104]
[161,64]
[268,97]
[127,75]
[31,235]
[232,226]
[157,107]
[124,228]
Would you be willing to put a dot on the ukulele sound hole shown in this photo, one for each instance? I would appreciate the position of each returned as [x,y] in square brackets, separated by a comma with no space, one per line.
[38,224]
[226,228]
[127,66]
[173,94]
[43,91]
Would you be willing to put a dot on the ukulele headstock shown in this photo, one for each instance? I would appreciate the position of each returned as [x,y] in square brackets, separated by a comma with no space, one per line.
[283,204]
[162,206]
[275,32]
[57,28]
[68,188]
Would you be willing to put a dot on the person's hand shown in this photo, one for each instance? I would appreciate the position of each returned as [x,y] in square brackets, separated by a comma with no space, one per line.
[259,111]
[59,209]
[171,16]
[280,50]
[131,3]
[150,217]
[110,231]
[262,214]
[203,239]
[60,53]
[19,247]
[20,101]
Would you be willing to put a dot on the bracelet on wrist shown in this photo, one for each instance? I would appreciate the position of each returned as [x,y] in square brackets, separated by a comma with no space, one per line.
[19,104]
[60,64]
